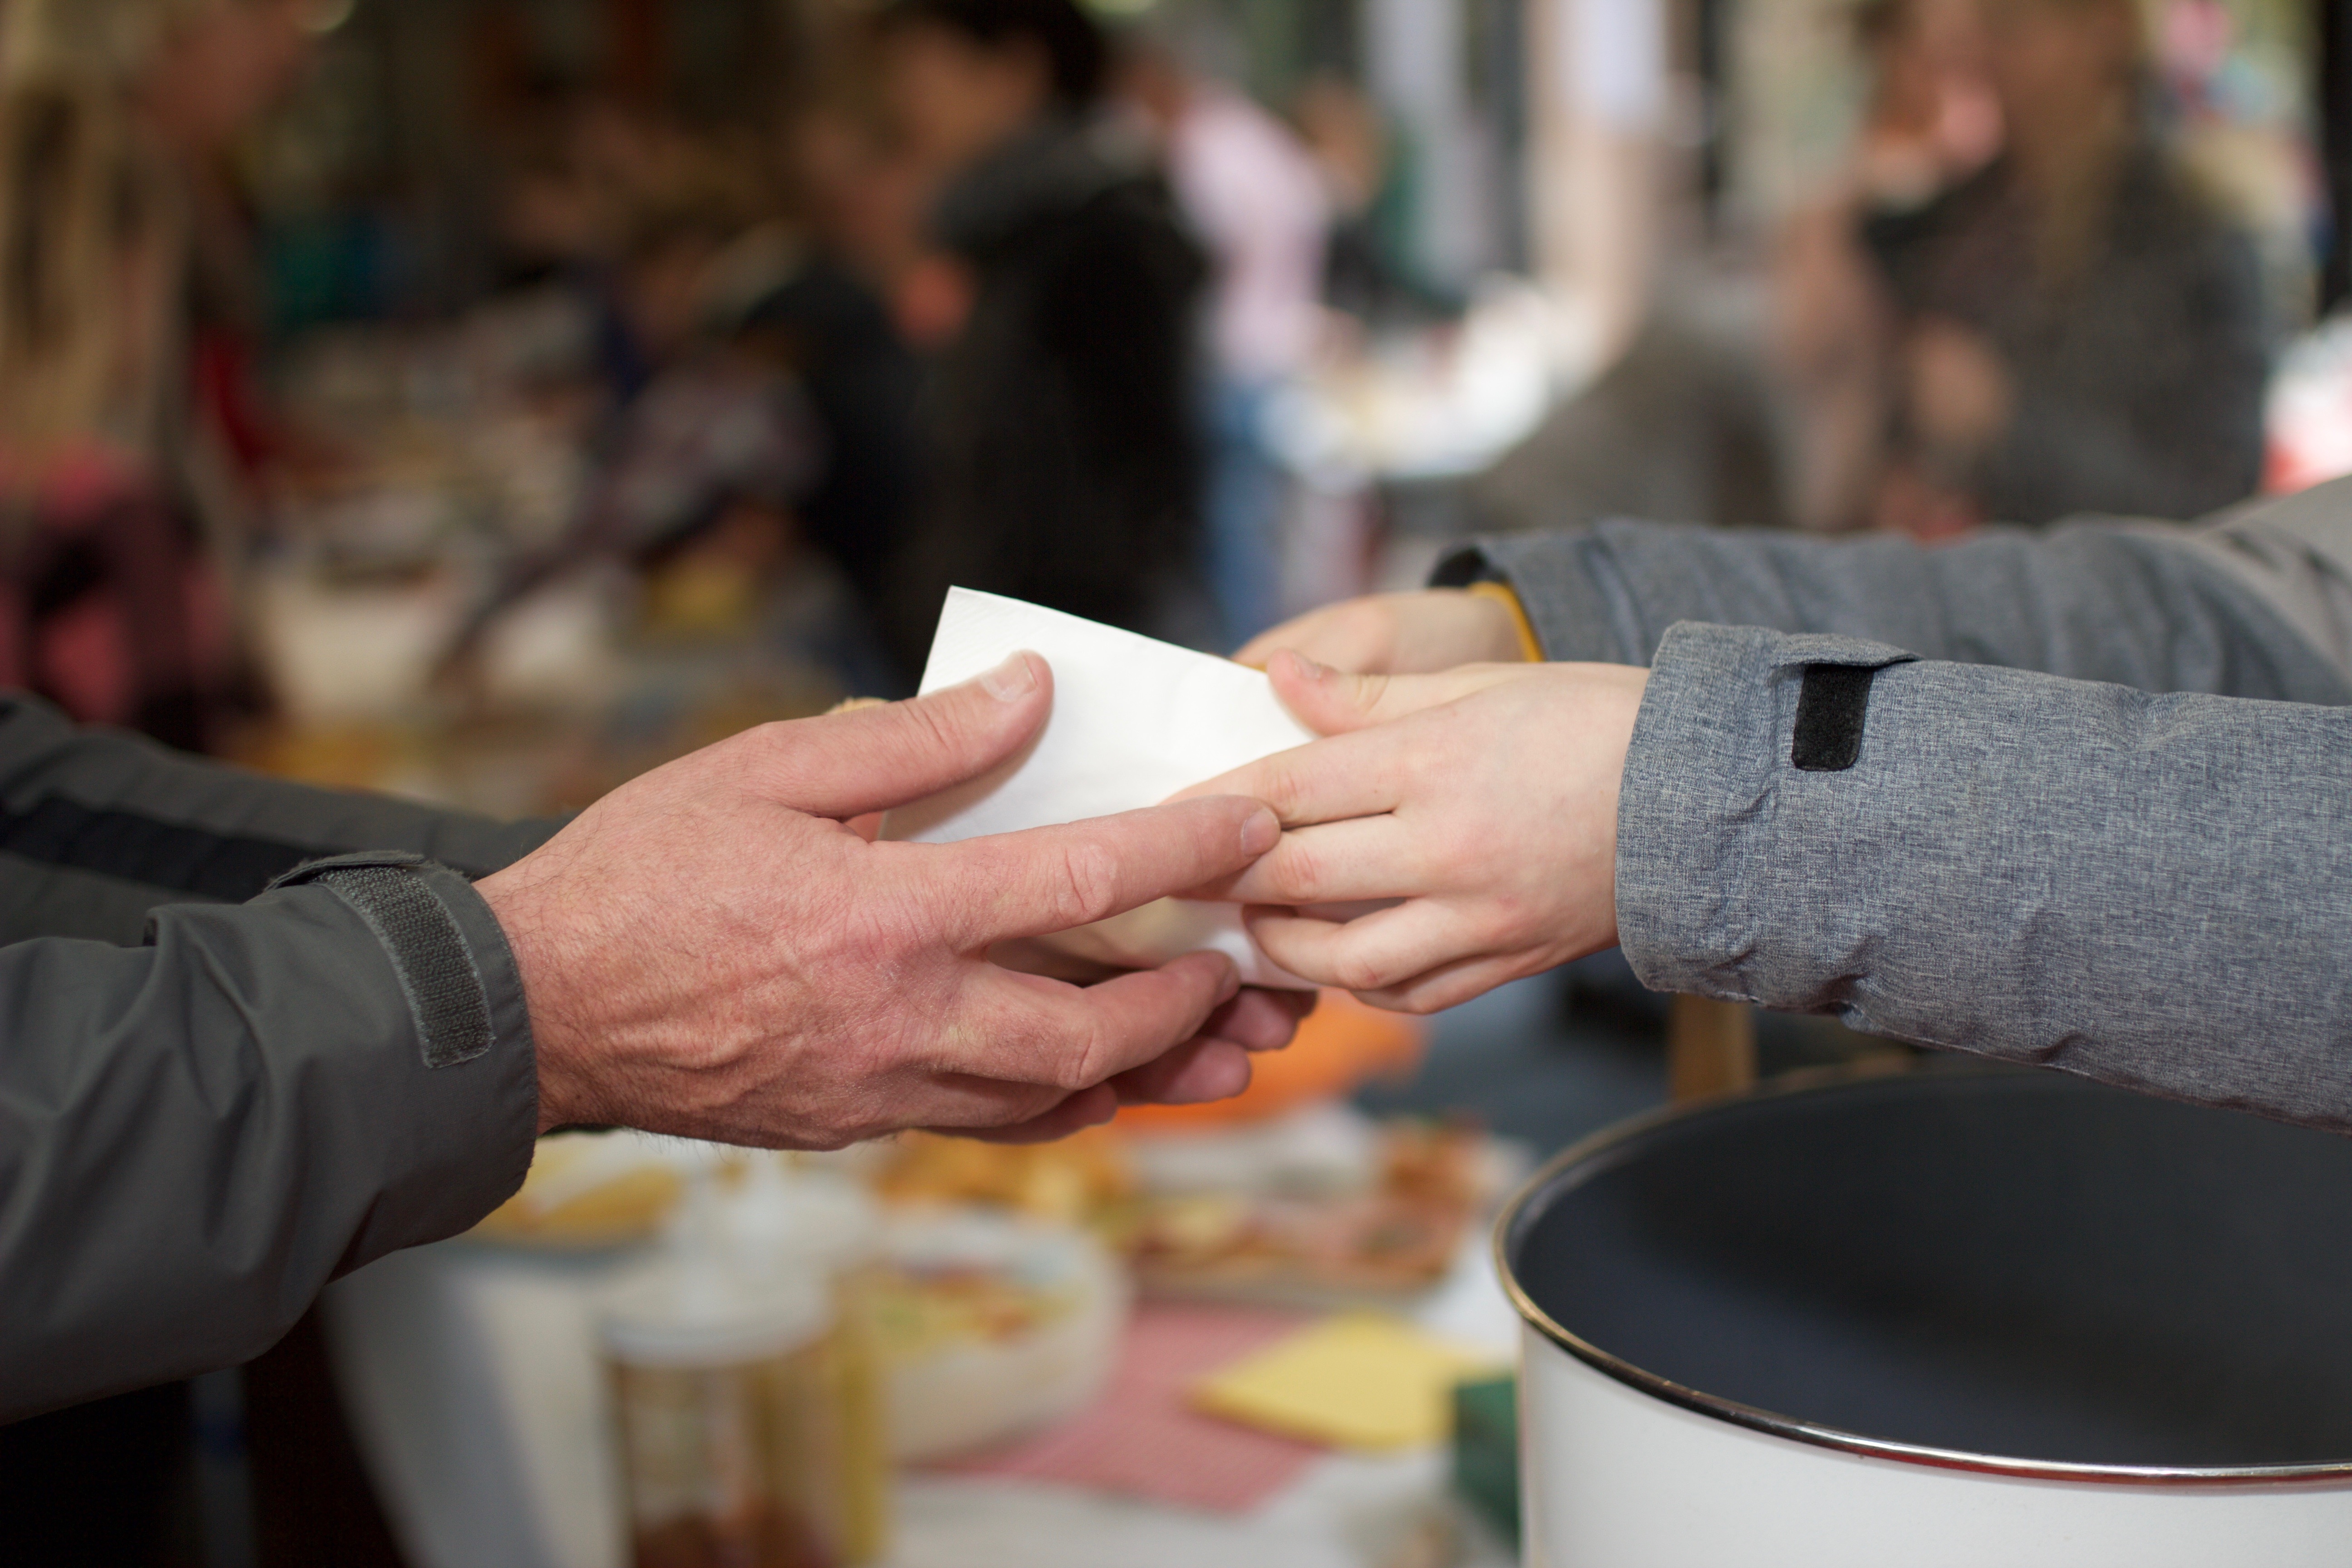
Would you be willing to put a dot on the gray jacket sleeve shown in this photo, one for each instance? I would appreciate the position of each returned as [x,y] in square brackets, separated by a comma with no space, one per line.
[212,1098]
[2256,603]
[2152,890]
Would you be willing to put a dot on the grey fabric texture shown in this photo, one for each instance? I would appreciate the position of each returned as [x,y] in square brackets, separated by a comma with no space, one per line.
[197,1132]
[2242,604]
[2153,890]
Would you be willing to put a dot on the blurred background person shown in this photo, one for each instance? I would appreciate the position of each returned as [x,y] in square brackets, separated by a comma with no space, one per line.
[1929,119]
[128,432]
[2080,329]
[1255,198]
[1064,455]
[753,459]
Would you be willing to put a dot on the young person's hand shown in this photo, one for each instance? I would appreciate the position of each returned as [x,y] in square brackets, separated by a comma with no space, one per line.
[1483,799]
[1396,634]
[712,949]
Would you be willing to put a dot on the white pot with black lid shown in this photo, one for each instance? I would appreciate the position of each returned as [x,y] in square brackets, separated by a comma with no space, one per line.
[1946,1317]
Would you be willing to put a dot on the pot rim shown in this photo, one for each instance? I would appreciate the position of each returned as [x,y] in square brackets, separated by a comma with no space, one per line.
[1593,1152]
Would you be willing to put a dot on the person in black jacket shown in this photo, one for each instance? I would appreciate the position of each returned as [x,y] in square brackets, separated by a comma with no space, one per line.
[1065,462]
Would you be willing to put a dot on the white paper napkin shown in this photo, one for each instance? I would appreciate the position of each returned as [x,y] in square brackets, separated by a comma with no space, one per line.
[1134,720]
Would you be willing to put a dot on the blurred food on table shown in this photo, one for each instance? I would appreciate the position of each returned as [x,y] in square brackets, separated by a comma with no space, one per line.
[1360,1379]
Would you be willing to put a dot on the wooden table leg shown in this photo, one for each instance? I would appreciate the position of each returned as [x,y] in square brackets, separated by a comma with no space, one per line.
[1710,1048]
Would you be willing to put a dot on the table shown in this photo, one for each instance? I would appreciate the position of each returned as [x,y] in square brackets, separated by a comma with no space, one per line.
[469,1373]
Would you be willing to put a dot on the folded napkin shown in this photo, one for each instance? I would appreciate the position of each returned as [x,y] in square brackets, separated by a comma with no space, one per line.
[1134,720]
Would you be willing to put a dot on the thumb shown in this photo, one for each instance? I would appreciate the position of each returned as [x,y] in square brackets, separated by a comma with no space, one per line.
[1332,702]
[848,764]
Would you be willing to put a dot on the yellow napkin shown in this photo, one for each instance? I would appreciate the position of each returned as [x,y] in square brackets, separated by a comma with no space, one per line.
[1358,1381]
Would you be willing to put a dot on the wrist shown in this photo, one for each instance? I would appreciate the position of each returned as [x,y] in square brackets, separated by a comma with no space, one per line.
[521,902]
[1509,636]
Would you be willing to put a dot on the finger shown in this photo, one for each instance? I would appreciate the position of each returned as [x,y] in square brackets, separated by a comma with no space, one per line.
[1194,1073]
[1088,1108]
[1018,1028]
[1333,702]
[1358,635]
[1259,1020]
[1451,984]
[1368,953]
[1361,858]
[1326,781]
[984,890]
[847,765]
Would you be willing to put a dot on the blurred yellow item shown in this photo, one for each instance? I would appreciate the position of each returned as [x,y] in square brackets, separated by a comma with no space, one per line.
[697,599]
[854,705]
[1072,1182]
[1363,1380]
[587,1192]
[340,756]
[1530,649]
[1342,1045]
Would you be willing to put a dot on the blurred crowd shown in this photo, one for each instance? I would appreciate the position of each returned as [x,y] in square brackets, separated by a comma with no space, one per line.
[992,293]
[988,297]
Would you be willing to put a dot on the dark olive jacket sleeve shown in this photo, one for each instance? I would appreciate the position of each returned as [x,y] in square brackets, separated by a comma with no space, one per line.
[213,1098]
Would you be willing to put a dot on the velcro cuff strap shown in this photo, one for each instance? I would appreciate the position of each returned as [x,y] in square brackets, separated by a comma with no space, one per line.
[438,974]
[1832,706]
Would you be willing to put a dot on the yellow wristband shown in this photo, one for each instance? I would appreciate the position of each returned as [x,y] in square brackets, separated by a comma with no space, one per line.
[1529,649]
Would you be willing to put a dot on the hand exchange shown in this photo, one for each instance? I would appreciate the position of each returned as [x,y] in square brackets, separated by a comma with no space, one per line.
[711,950]
[1484,799]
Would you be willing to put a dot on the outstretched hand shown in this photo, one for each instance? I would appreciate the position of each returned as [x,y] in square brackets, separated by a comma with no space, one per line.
[1484,799]
[713,951]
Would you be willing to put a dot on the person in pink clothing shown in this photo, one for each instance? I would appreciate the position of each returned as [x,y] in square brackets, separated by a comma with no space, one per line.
[114,116]
[1257,203]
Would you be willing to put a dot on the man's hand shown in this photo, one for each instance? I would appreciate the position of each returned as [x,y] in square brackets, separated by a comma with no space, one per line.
[1485,799]
[1396,634]
[711,950]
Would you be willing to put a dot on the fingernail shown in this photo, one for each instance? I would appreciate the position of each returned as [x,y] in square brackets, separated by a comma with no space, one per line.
[1307,667]
[1014,679]
[1259,833]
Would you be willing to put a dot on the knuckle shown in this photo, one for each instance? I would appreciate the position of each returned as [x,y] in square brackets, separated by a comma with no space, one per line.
[1297,872]
[1277,782]
[924,728]
[1358,971]
[1080,1063]
[1088,886]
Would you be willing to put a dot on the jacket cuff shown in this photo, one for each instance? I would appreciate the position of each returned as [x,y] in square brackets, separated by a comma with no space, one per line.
[458,976]
[1742,734]
[464,991]
[1570,617]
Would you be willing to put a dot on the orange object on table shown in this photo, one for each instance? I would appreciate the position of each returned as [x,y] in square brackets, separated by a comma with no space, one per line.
[1343,1044]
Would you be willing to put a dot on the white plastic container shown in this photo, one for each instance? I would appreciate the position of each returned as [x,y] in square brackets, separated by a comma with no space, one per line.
[1944,1319]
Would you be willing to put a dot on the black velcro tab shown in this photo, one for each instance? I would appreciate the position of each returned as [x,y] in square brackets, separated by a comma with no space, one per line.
[1830,707]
